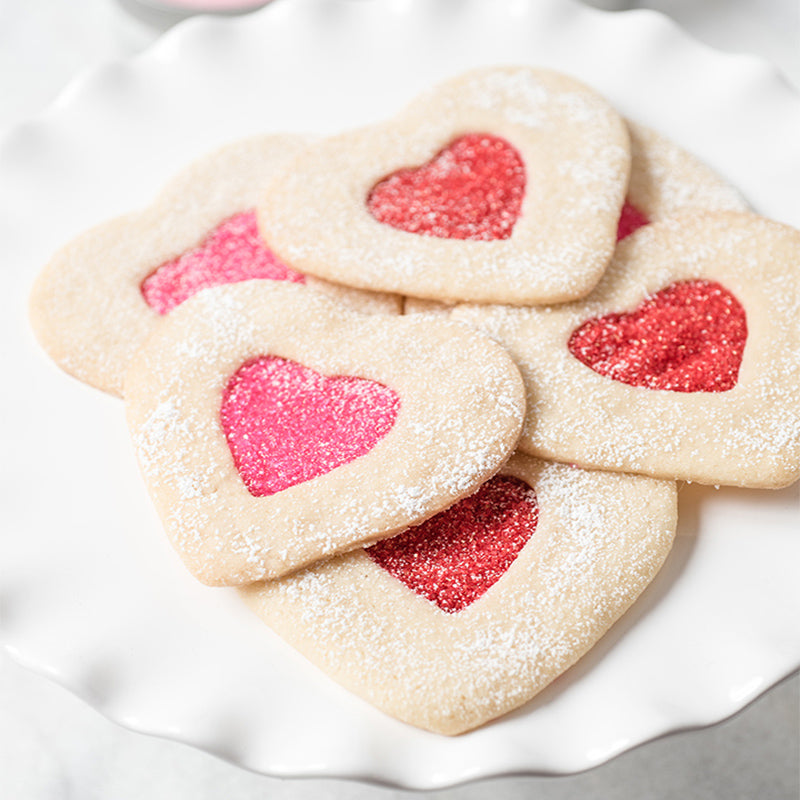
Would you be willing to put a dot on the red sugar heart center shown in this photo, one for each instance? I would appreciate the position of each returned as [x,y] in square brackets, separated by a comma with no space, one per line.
[232,252]
[688,337]
[472,189]
[453,558]
[286,424]
[630,220]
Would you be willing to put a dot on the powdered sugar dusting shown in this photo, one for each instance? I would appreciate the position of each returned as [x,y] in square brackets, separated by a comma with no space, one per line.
[600,540]
[666,179]
[460,409]
[513,94]
[748,435]
[87,306]
[559,244]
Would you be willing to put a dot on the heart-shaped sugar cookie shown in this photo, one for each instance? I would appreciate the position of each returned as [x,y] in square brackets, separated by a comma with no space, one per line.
[683,363]
[274,427]
[665,179]
[445,654]
[99,297]
[500,185]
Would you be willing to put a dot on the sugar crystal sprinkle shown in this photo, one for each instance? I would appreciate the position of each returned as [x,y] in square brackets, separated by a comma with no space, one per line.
[472,189]
[455,556]
[234,251]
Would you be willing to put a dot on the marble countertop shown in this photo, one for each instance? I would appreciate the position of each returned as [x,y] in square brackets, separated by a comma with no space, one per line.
[54,747]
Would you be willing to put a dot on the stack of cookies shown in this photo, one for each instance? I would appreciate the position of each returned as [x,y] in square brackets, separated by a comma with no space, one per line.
[423,391]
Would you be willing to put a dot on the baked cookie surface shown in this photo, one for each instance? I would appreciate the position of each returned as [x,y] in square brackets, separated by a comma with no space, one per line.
[411,625]
[665,180]
[684,363]
[274,427]
[501,185]
[98,298]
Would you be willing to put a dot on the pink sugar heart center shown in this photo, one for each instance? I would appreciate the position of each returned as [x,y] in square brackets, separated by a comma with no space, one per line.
[472,189]
[286,424]
[630,220]
[232,252]
[453,558]
[689,337]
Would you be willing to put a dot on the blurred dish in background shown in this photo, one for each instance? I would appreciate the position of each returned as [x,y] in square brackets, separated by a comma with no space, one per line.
[168,12]
[610,5]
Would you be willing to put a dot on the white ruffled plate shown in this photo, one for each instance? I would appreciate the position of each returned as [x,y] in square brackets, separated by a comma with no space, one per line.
[91,594]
